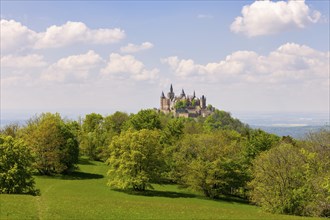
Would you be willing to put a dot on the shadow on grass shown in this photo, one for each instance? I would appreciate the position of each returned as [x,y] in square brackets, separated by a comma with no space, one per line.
[84,161]
[228,199]
[76,175]
[155,193]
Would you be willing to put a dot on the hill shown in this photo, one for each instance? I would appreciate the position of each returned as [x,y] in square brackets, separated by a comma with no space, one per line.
[84,195]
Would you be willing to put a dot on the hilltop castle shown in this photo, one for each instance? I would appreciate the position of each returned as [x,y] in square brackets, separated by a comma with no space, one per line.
[184,105]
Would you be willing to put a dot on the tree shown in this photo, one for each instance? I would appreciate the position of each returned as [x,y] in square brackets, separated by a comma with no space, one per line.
[259,141]
[116,121]
[181,104]
[15,167]
[211,163]
[11,130]
[144,119]
[52,143]
[93,136]
[292,180]
[135,160]
[221,120]
[170,135]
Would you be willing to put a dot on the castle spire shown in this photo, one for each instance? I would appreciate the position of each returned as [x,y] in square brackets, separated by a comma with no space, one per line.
[171,89]
[182,93]
[162,96]
[194,95]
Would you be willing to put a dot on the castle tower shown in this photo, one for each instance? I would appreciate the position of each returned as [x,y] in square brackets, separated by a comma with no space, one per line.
[183,94]
[171,94]
[203,102]
[164,103]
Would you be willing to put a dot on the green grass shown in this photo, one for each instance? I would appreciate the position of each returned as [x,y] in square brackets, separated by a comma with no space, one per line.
[84,195]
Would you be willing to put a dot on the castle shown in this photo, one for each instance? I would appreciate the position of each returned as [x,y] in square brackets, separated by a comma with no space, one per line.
[184,105]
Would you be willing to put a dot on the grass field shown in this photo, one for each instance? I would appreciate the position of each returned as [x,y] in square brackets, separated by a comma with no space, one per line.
[84,195]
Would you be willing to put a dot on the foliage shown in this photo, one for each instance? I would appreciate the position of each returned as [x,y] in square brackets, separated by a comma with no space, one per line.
[11,130]
[115,122]
[15,167]
[135,160]
[259,141]
[144,119]
[211,163]
[223,120]
[170,135]
[293,180]
[52,143]
[181,104]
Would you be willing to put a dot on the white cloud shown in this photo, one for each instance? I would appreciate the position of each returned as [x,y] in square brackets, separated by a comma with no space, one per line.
[183,68]
[72,32]
[23,62]
[290,63]
[267,17]
[127,66]
[76,68]
[15,36]
[132,48]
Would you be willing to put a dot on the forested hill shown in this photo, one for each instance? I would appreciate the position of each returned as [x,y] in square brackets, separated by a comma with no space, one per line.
[218,156]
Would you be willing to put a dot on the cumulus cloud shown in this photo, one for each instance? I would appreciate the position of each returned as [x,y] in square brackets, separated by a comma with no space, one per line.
[132,48]
[267,17]
[289,63]
[128,66]
[72,32]
[15,36]
[76,68]
[23,62]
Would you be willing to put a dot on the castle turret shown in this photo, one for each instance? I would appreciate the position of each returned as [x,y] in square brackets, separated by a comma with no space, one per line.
[203,102]
[183,94]
[171,94]
[164,103]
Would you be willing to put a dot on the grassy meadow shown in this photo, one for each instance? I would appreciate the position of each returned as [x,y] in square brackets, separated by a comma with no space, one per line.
[84,195]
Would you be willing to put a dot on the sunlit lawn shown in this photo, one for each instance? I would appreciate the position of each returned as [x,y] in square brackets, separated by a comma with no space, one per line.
[84,195]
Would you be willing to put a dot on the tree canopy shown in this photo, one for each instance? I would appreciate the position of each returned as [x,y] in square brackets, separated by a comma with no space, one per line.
[15,167]
[52,143]
[135,160]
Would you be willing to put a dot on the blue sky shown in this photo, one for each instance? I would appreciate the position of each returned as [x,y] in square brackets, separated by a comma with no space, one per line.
[103,56]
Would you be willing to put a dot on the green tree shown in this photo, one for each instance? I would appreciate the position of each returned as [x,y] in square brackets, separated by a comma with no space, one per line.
[11,130]
[15,167]
[292,180]
[181,104]
[93,136]
[144,119]
[116,121]
[170,135]
[135,160]
[211,163]
[221,120]
[52,143]
[259,141]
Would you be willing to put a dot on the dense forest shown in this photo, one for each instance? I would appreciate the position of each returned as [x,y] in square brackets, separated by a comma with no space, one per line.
[217,155]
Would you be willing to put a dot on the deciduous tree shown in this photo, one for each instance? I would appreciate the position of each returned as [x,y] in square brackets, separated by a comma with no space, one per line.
[15,167]
[135,160]
[52,143]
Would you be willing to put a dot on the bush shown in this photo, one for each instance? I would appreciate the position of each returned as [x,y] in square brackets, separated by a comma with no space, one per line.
[15,167]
